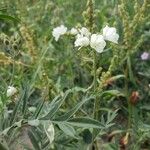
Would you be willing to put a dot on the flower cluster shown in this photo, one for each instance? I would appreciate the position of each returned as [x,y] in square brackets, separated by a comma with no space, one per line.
[84,38]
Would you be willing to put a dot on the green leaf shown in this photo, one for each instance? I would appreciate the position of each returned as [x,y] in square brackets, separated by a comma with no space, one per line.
[145,107]
[131,75]
[3,144]
[110,117]
[87,136]
[13,117]
[49,130]
[38,109]
[25,99]
[85,122]
[33,140]
[113,93]
[54,108]
[114,78]
[70,113]
[34,122]
[67,129]
[3,9]
[79,89]
[2,147]
[7,17]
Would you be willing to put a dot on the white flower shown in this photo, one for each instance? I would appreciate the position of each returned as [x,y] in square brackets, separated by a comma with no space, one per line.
[58,31]
[85,32]
[97,42]
[73,31]
[81,41]
[110,34]
[11,91]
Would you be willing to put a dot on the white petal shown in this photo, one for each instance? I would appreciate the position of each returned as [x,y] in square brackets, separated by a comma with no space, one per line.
[11,91]
[74,31]
[110,34]
[81,41]
[105,30]
[85,32]
[97,42]
[58,31]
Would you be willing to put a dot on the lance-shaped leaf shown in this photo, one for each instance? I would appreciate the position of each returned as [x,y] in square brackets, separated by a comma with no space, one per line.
[85,122]
[57,103]
[7,17]
[113,93]
[70,113]
[67,129]
[16,108]
[49,129]
[54,106]
[34,140]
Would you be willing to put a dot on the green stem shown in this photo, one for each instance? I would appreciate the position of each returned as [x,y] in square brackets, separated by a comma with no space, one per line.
[13,72]
[94,67]
[127,94]
[95,111]
[96,102]
[90,24]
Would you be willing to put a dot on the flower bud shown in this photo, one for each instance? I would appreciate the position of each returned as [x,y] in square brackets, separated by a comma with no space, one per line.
[134,97]
[124,141]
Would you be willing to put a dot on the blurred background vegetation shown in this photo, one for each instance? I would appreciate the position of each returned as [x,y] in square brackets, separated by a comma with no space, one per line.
[29,56]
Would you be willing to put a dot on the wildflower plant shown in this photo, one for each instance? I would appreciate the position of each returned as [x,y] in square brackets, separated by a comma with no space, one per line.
[73,82]
[85,37]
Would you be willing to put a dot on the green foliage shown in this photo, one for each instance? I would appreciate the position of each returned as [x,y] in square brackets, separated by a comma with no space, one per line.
[67,98]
